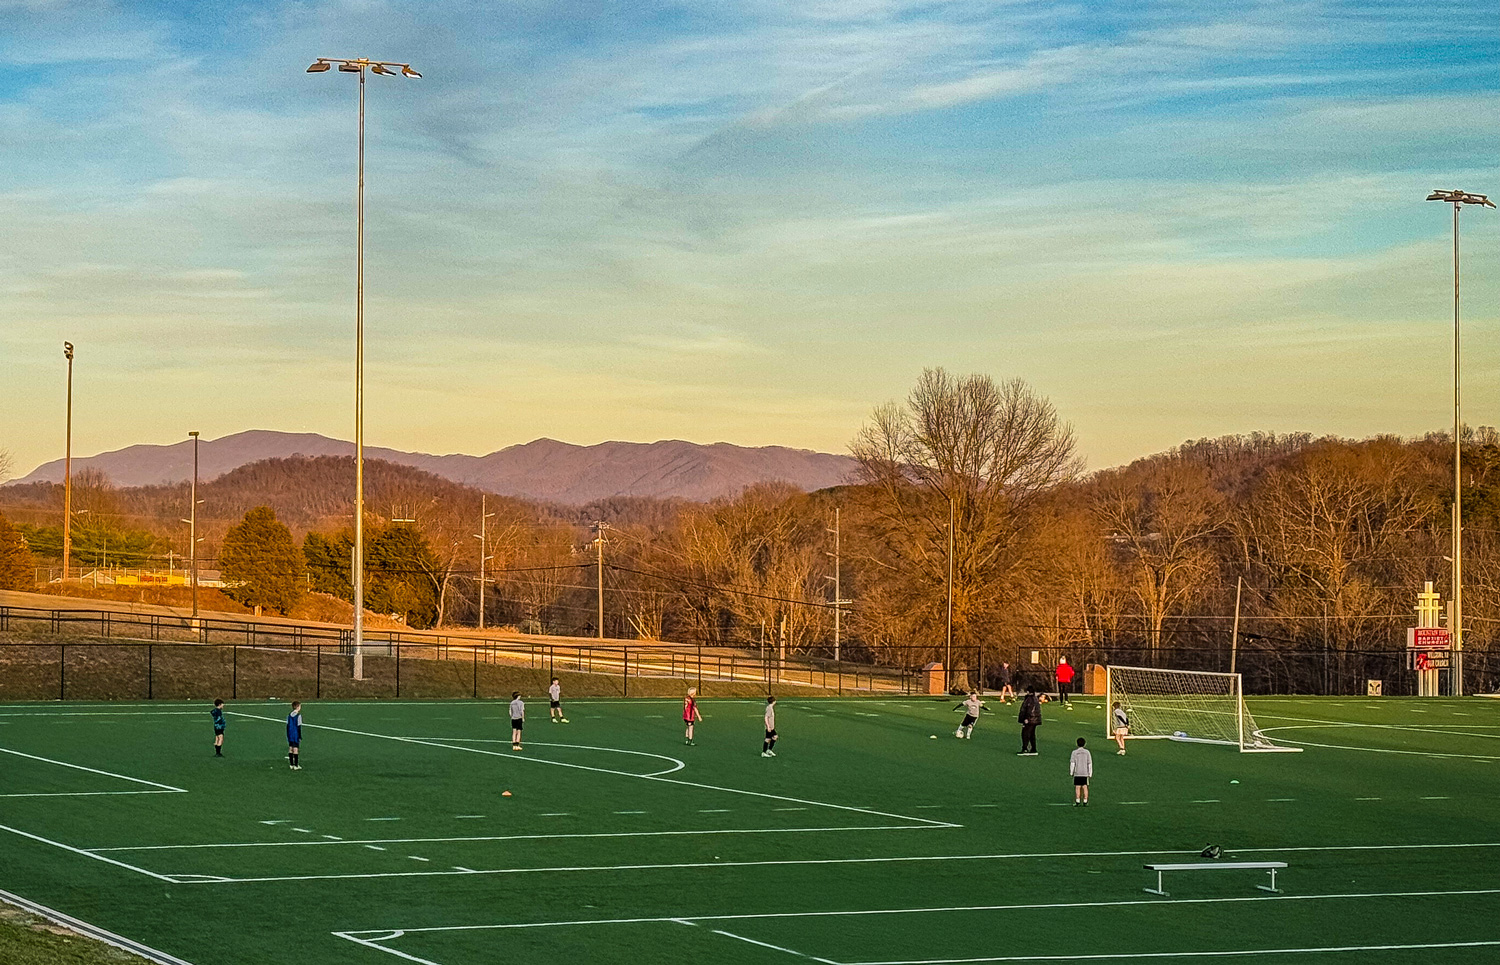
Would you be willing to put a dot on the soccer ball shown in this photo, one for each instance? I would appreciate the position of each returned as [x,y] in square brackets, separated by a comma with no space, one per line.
[959,733]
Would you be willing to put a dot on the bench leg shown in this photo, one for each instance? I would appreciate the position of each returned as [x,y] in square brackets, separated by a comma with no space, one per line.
[1272,886]
[1158,889]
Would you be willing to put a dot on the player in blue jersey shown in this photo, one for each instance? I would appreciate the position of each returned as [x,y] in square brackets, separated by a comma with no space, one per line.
[219,727]
[294,734]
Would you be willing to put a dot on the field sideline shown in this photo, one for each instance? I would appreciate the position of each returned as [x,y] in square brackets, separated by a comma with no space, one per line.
[865,842]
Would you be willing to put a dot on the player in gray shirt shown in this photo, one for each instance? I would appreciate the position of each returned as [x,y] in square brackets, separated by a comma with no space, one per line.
[1081,766]
[517,718]
[768,748]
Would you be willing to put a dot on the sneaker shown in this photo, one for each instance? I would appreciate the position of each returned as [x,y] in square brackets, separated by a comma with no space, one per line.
[563,720]
[1076,803]
[1120,753]
[771,753]
[765,753]
[515,747]
[1085,804]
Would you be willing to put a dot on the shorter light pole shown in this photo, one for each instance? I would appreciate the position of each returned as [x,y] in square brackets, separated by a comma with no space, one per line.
[948,657]
[599,542]
[67,540]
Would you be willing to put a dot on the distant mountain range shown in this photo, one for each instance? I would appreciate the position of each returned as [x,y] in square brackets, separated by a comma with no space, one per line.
[545,470]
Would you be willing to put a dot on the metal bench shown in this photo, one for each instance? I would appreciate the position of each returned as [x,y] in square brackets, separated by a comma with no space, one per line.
[1267,866]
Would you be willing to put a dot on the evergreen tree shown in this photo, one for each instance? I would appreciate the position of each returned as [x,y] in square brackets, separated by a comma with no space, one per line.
[329,560]
[260,562]
[400,573]
[17,567]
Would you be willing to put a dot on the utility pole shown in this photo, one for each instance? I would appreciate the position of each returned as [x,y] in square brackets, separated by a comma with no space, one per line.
[193,525]
[483,537]
[599,527]
[948,658]
[67,540]
[838,596]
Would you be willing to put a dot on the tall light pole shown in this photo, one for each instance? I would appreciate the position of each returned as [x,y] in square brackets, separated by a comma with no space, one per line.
[360,66]
[67,539]
[1455,626]
[193,525]
[599,541]
[838,596]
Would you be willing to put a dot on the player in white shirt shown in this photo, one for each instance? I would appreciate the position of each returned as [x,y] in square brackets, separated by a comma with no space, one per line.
[1122,727]
[972,705]
[1081,766]
[517,718]
[768,749]
[554,695]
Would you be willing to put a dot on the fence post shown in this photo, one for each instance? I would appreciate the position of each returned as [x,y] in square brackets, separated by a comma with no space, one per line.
[700,666]
[318,674]
[475,649]
[150,667]
[398,670]
[62,672]
[625,670]
[234,672]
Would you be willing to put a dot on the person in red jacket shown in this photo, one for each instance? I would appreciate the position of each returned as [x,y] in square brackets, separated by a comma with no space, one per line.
[1064,682]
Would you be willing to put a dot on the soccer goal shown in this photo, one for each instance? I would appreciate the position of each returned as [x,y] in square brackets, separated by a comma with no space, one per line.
[1187,705]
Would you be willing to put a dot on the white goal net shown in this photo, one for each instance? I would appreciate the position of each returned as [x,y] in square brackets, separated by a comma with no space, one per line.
[1185,705]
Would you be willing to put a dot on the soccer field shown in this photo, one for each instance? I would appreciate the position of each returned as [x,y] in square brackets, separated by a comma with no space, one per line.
[865,841]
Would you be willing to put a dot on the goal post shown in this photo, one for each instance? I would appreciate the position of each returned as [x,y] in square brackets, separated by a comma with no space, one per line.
[1185,705]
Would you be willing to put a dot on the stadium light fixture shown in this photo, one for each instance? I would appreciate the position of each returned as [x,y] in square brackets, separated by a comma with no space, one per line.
[360,66]
[67,539]
[1455,625]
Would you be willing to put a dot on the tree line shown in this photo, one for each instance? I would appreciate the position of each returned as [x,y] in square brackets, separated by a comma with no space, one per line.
[970,509]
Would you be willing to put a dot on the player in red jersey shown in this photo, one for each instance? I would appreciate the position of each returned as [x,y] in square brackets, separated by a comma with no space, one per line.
[1064,682]
[690,715]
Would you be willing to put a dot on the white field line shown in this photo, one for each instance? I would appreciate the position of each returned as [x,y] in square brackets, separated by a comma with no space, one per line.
[774,948]
[501,837]
[1369,750]
[1137,956]
[606,770]
[93,931]
[677,765]
[368,943]
[786,862]
[85,793]
[91,770]
[102,713]
[389,934]
[86,854]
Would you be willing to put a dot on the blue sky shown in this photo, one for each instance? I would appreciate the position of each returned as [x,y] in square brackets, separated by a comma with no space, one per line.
[749,222]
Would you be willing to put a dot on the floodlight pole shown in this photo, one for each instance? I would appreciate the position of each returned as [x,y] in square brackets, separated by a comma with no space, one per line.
[67,539]
[601,526]
[484,546]
[359,66]
[193,525]
[1455,626]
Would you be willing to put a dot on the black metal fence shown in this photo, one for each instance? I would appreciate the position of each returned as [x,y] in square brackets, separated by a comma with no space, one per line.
[110,654]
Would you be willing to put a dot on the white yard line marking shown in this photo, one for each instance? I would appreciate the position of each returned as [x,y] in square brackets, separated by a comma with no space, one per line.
[714,810]
[382,819]
[556,814]
[630,812]
[94,770]
[605,770]
[1126,956]
[468,817]
[472,839]
[415,858]
[1434,798]
[789,809]
[374,847]
[368,943]
[785,862]
[775,948]
[85,793]
[1211,800]
[302,830]
[943,909]
[677,765]
[1367,799]
[86,854]
[331,837]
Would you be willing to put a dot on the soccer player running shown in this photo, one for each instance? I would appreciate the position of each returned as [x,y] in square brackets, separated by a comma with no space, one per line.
[554,695]
[218,727]
[294,735]
[517,718]
[1064,682]
[690,714]
[768,748]
[1081,767]
[972,705]
[1029,717]
[1122,726]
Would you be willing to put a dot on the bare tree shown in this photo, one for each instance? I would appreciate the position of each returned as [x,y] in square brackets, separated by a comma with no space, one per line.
[979,452]
[1160,515]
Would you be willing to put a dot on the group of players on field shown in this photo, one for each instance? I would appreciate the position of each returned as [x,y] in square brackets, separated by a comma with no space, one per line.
[1080,765]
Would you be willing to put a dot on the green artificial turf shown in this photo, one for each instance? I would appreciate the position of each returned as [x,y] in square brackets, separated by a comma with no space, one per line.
[867,839]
